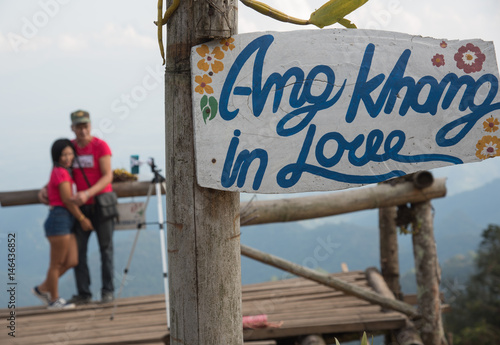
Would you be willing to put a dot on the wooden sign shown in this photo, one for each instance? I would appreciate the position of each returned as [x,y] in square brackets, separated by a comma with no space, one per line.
[131,215]
[330,109]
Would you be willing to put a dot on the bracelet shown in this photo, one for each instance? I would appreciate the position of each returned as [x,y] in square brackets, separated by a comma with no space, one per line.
[87,194]
[81,218]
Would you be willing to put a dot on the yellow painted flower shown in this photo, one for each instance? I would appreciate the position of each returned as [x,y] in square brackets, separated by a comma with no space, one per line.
[203,84]
[227,43]
[491,124]
[488,147]
[210,59]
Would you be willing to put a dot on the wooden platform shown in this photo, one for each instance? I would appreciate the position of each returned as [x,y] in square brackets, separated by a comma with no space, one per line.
[304,307]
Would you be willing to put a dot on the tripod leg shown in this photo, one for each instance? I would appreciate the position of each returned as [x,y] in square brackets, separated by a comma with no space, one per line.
[163,251]
[125,271]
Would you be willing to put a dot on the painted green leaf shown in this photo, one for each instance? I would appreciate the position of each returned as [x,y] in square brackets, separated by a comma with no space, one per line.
[206,113]
[203,102]
[214,106]
[334,11]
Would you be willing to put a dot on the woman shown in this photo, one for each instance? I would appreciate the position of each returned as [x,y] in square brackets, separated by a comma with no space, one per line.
[59,224]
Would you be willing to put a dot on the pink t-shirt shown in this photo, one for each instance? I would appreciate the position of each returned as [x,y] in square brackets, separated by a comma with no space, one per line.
[57,176]
[89,159]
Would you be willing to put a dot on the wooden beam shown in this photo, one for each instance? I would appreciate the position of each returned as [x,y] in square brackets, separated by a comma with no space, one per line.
[29,197]
[292,209]
[203,224]
[409,334]
[382,195]
[328,280]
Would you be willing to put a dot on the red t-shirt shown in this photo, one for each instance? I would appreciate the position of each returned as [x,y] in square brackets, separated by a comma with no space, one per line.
[89,159]
[58,176]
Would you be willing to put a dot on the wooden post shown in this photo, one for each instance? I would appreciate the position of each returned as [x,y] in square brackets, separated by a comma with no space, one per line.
[428,274]
[389,260]
[203,224]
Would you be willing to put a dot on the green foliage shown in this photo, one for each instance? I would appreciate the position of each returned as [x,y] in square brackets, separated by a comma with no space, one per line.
[364,340]
[476,313]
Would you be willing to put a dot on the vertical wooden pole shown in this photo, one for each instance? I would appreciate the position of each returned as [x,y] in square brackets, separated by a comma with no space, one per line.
[202,224]
[389,260]
[428,274]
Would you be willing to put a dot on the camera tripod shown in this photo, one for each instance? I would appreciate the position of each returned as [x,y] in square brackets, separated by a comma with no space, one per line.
[157,182]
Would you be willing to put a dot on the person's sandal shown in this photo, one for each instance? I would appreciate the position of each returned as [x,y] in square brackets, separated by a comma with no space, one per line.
[43,296]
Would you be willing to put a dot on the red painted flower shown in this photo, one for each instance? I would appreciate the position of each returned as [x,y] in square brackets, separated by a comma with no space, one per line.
[438,60]
[470,58]
[443,44]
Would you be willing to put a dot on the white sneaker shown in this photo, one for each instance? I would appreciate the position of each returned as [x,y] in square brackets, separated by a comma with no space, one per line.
[60,303]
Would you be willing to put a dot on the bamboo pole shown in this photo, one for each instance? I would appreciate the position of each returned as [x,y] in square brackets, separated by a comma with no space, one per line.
[330,281]
[203,224]
[389,260]
[409,334]
[428,274]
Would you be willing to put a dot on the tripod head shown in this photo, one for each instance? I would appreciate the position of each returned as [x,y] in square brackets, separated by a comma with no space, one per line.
[155,171]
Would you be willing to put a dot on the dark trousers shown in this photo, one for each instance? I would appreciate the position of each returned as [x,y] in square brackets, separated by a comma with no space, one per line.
[104,232]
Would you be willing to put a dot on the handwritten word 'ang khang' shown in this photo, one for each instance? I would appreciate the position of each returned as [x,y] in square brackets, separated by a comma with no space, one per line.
[301,97]
[396,81]
[308,105]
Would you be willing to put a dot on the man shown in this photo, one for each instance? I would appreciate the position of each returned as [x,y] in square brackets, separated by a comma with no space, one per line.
[93,163]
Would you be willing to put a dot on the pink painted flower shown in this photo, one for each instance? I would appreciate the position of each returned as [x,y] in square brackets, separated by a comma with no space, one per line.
[443,44]
[470,58]
[438,60]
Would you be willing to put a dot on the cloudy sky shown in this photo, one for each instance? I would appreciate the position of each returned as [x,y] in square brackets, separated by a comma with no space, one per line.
[102,56]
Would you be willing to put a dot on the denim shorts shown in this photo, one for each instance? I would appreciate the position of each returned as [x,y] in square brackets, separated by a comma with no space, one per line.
[59,222]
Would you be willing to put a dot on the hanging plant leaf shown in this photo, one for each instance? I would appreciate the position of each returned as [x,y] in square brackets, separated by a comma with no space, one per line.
[334,11]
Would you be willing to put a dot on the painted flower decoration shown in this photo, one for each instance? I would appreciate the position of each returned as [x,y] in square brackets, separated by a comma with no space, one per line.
[438,60]
[227,43]
[203,84]
[443,44]
[470,58]
[210,59]
[491,124]
[488,147]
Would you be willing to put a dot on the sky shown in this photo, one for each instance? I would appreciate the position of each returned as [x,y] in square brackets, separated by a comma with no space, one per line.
[58,56]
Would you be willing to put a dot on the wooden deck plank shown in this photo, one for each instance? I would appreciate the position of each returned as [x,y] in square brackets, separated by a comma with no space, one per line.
[304,306]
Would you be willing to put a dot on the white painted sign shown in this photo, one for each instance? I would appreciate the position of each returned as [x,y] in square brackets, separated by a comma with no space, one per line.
[330,109]
[131,214]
